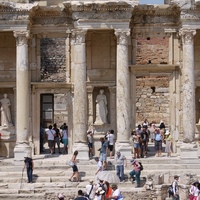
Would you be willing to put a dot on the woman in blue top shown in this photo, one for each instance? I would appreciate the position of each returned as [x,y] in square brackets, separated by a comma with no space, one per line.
[158,142]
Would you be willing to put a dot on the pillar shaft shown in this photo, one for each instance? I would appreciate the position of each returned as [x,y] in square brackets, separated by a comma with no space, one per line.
[80,92]
[188,84]
[22,79]
[123,87]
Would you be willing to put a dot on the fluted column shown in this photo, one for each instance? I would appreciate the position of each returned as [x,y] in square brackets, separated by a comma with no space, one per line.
[123,92]
[80,95]
[22,96]
[188,84]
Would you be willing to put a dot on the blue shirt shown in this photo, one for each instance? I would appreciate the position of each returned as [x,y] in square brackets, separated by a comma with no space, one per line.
[103,147]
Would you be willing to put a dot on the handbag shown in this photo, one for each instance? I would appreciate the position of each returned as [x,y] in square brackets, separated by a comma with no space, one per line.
[71,164]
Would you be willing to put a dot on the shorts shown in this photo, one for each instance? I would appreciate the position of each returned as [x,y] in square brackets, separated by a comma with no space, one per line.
[90,145]
[65,142]
[103,157]
[75,168]
[50,143]
[110,147]
[136,145]
[158,145]
[57,140]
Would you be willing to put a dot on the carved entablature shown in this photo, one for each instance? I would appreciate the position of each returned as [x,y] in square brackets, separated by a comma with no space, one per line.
[51,16]
[103,11]
[14,11]
[190,15]
[150,14]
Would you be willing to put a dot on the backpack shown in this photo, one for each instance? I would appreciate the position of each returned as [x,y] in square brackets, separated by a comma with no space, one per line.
[170,190]
[141,166]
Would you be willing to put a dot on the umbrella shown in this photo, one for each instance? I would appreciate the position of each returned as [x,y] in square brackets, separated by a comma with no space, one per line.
[108,176]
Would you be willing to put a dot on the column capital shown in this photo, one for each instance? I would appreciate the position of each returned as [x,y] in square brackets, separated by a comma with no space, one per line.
[79,36]
[22,37]
[187,35]
[122,36]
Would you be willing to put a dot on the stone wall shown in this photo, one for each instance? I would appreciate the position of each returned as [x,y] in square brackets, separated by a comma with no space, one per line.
[152,99]
[53,60]
[152,50]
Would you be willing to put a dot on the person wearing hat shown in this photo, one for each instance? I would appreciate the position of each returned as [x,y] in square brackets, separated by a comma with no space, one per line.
[28,164]
[100,194]
[120,163]
[175,188]
[60,197]
[90,190]
[135,172]
[168,139]
[195,191]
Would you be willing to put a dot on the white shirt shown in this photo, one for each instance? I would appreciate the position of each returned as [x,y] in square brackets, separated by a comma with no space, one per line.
[50,134]
[99,165]
[65,134]
[194,191]
[111,138]
[116,193]
[88,188]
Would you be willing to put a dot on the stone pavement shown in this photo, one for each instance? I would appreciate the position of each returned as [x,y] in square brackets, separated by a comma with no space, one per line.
[51,174]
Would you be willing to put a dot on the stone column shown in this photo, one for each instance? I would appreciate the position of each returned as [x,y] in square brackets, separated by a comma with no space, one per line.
[68,56]
[188,83]
[22,97]
[80,95]
[123,93]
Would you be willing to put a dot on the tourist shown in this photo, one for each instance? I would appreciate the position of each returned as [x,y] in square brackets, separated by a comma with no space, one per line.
[101,108]
[168,139]
[109,190]
[90,190]
[29,165]
[90,143]
[152,131]
[50,137]
[62,126]
[158,142]
[195,191]
[103,156]
[65,139]
[102,184]
[110,138]
[116,193]
[136,144]
[162,126]
[99,165]
[74,167]
[120,163]
[56,138]
[100,194]
[175,196]
[135,172]
[5,112]
[143,142]
[61,197]
[145,123]
[42,132]
[81,196]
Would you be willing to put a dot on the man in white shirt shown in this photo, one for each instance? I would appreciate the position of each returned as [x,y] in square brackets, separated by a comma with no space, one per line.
[175,188]
[50,137]
[110,138]
[91,189]
[99,165]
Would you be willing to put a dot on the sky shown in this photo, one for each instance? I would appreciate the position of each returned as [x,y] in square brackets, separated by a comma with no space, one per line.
[151,1]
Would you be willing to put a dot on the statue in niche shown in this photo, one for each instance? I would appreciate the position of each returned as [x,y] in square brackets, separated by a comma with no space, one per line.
[101,108]
[5,112]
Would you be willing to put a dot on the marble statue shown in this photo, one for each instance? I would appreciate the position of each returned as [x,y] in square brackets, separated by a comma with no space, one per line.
[5,112]
[101,108]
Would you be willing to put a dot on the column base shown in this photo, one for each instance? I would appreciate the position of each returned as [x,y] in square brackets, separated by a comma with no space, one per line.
[189,151]
[22,150]
[83,151]
[124,148]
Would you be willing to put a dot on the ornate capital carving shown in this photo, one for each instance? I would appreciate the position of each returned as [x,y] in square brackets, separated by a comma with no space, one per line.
[79,36]
[21,37]
[122,36]
[187,35]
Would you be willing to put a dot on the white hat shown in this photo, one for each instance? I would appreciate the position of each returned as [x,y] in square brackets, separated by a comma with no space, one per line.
[60,196]
[167,132]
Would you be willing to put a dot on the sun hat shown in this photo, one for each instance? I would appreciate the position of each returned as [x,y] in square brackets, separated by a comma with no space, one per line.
[167,132]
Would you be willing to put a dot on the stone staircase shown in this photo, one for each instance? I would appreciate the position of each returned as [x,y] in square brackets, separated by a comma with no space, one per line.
[51,174]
